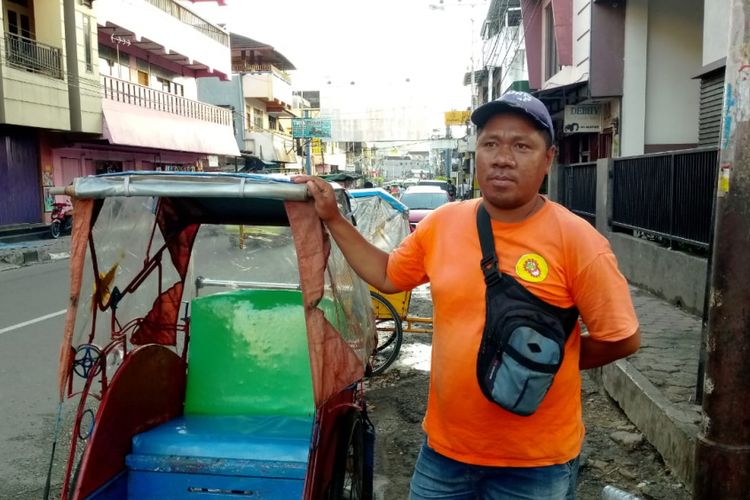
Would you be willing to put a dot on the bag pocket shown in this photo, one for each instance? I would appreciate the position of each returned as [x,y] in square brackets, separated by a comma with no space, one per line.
[521,373]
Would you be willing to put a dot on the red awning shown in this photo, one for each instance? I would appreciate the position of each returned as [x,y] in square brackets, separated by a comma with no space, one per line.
[130,125]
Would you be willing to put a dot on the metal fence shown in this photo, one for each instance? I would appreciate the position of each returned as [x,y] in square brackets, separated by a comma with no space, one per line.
[579,189]
[28,54]
[666,195]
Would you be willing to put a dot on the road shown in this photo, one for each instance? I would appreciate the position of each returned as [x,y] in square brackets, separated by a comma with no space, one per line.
[31,321]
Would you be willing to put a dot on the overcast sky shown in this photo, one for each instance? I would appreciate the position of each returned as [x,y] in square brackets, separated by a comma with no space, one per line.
[403,57]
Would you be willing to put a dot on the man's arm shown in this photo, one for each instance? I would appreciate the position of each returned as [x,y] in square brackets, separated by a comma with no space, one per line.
[595,353]
[367,260]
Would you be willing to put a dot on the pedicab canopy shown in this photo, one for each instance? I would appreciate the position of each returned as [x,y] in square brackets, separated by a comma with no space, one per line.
[143,243]
[381,218]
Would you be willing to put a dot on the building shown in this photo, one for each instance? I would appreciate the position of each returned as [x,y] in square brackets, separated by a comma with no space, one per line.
[148,55]
[46,87]
[260,97]
[91,87]
[624,78]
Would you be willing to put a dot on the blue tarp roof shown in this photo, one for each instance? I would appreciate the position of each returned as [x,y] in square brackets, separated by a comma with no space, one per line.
[381,193]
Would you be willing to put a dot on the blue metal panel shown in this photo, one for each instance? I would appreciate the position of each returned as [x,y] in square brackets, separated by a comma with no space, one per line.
[157,485]
[271,438]
[19,177]
[115,489]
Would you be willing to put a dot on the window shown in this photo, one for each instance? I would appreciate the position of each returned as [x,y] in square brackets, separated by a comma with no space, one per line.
[272,123]
[143,78]
[550,50]
[19,18]
[87,3]
[257,118]
[87,43]
[513,17]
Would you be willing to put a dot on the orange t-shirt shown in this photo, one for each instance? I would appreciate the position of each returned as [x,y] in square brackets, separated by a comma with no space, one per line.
[561,259]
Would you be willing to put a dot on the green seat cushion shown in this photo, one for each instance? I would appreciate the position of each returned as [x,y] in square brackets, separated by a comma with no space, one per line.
[248,355]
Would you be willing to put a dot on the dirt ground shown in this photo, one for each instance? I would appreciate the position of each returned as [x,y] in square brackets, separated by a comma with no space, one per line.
[614,453]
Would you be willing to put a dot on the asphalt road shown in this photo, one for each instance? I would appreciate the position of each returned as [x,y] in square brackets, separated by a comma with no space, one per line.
[31,321]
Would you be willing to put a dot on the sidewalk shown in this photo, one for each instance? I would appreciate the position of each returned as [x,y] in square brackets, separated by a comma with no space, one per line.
[14,255]
[656,386]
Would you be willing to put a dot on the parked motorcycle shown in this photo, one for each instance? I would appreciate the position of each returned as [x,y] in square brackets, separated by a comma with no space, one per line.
[62,219]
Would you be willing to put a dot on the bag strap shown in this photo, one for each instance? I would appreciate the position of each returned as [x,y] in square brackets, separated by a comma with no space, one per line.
[489,263]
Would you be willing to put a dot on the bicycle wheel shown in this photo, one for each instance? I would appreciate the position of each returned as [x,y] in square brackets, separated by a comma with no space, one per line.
[350,480]
[390,334]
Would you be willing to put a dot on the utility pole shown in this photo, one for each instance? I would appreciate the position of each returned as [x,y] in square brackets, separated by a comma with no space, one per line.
[722,458]
[308,163]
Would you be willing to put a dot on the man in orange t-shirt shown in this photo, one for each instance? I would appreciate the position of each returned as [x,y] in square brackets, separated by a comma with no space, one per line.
[475,448]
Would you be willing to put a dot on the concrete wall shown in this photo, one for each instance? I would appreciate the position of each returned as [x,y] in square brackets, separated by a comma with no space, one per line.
[229,93]
[581,34]
[676,276]
[674,57]
[634,79]
[33,99]
[152,23]
[88,84]
[607,41]
[715,30]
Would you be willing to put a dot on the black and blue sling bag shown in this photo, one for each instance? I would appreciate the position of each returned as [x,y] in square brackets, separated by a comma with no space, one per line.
[524,337]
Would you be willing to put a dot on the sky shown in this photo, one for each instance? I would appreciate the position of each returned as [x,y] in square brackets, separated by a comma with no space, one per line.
[386,69]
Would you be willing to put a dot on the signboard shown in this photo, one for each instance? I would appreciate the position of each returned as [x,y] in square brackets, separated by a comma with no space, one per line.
[456,117]
[316,147]
[583,118]
[306,128]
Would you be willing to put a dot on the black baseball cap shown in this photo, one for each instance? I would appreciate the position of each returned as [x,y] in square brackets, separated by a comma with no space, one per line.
[522,102]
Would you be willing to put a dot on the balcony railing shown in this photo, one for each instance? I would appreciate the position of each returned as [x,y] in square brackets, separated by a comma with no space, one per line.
[192,19]
[33,56]
[145,97]
[242,67]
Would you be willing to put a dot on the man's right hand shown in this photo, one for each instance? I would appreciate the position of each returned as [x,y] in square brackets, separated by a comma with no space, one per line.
[366,259]
[322,193]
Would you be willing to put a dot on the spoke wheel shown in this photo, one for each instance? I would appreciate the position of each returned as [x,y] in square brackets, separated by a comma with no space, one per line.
[349,473]
[390,334]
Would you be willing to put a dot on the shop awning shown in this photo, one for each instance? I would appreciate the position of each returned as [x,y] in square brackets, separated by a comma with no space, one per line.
[131,125]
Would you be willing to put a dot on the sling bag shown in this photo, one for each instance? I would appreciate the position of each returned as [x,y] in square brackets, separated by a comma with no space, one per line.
[524,337]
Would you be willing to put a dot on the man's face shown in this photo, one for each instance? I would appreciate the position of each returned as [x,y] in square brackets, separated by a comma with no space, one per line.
[512,160]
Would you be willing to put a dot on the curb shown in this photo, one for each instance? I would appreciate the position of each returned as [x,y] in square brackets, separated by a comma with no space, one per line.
[13,259]
[669,429]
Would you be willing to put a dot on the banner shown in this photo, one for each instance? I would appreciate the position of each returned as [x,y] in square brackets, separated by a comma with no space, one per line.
[306,128]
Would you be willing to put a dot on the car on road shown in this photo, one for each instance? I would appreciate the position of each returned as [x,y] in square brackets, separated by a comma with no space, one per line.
[444,185]
[422,200]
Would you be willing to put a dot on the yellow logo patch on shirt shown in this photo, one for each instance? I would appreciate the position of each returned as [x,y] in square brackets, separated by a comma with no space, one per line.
[532,267]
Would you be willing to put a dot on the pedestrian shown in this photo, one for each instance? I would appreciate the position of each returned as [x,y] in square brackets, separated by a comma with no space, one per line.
[368,184]
[503,419]
[451,190]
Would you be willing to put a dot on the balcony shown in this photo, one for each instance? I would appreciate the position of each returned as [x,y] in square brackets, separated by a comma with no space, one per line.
[145,97]
[168,30]
[242,67]
[28,54]
[270,84]
[192,19]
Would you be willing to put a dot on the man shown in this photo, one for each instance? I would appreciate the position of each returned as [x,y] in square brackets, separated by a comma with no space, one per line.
[451,190]
[475,448]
